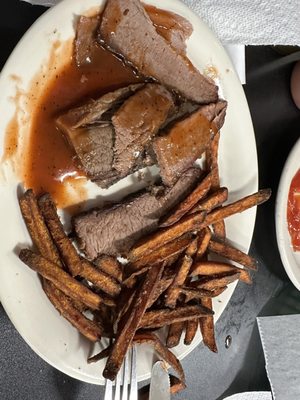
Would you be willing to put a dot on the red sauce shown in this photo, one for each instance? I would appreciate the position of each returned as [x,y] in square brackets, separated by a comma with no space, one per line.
[293,211]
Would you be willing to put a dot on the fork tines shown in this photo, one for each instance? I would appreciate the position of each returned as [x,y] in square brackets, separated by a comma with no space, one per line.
[125,387]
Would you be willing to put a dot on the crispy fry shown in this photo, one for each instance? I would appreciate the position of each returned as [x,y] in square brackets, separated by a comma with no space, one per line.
[132,320]
[238,206]
[152,242]
[61,279]
[213,282]
[43,241]
[162,351]
[216,267]
[230,252]
[100,279]
[192,293]
[37,228]
[174,334]
[104,316]
[219,230]
[111,266]
[188,203]
[163,253]
[204,239]
[207,327]
[65,307]
[100,356]
[162,286]
[179,279]
[212,152]
[212,201]
[159,318]
[213,268]
[176,385]
[190,331]
[125,299]
[219,227]
[193,247]
[68,252]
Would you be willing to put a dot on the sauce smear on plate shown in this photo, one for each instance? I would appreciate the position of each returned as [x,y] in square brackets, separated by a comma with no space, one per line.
[50,162]
[293,211]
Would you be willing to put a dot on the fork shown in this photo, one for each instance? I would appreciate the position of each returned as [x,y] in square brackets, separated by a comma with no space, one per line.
[127,377]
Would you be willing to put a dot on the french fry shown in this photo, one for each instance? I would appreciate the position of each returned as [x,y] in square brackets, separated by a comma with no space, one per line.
[238,206]
[163,253]
[162,286]
[216,267]
[190,331]
[100,279]
[100,356]
[37,228]
[216,281]
[132,321]
[212,154]
[219,227]
[68,252]
[162,351]
[179,279]
[125,300]
[42,239]
[207,327]
[219,230]
[174,334]
[227,251]
[111,266]
[188,203]
[176,385]
[204,239]
[65,307]
[162,317]
[214,200]
[192,293]
[61,279]
[193,247]
[104,316]
[163,236]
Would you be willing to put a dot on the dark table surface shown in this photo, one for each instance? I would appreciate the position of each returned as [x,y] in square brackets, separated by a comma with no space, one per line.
[23,375]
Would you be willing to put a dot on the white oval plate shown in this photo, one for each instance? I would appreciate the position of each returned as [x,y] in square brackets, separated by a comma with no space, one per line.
[290,258]
[48,334]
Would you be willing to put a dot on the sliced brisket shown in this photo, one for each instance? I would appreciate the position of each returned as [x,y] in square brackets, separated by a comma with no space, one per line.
[136,122]
[127,29]
[184,142]
[113,230]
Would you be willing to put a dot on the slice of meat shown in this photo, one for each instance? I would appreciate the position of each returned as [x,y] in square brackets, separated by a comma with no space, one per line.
[93,110]
[186,140]
[136,122]
[113,230]
[91,138]
[174,28]
[85,39]
[127,29]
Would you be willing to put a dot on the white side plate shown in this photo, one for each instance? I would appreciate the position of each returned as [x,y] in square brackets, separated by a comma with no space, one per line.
[289,258]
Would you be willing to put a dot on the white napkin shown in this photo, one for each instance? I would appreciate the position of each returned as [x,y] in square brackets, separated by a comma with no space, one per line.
[281,345]
[256,22]
[251,396]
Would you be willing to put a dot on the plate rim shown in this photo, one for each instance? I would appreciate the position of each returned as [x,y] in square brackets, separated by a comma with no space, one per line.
[242,94]
[287,174]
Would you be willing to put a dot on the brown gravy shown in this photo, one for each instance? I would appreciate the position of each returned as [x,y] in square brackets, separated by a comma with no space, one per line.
[49,163]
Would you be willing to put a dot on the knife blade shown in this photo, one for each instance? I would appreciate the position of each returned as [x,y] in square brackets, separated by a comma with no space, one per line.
[160,382]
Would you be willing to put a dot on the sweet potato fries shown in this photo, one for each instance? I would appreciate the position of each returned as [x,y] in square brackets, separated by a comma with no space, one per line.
[170,279]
